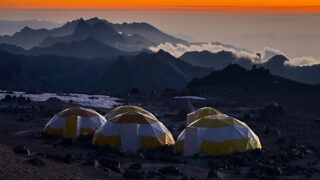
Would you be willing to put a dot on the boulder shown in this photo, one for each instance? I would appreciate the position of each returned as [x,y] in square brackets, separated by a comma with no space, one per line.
[135,166]
[170,170]
[113,165]
[213,173]
[132,174]
[36,162]
[22,150]
[272,111]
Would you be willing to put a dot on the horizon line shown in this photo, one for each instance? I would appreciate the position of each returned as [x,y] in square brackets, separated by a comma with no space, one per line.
[195,9]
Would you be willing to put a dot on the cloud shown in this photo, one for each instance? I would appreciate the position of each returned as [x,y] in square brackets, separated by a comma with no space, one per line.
[179,49]
[303,61]
[266,53]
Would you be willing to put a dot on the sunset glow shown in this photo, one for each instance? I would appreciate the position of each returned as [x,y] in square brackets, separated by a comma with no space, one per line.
[273,6]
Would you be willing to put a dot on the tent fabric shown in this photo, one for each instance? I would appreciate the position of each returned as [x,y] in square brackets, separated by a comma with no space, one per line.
[72,122]
[217,135]
[127,108]
[131,131]
[200,113]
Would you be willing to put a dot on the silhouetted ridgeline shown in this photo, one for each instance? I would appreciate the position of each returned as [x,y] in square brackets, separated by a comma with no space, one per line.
[126,37]
[249,86]
[276,65]
[88,48]
[146,71]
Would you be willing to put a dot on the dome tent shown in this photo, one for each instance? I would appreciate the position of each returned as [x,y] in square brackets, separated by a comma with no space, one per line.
[200,113]
[131,131]
[217,135]
[75,121]
[127,108]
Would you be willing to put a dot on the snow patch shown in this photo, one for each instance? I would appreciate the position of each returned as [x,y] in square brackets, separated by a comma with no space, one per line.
[81,99]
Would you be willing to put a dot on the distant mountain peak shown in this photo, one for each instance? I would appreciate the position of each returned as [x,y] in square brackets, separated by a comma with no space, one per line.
[277,60]
[162,53]
[234,67]
[26,29]
[94,18]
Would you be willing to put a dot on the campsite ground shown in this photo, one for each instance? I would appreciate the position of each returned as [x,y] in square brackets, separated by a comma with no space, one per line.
[290,145]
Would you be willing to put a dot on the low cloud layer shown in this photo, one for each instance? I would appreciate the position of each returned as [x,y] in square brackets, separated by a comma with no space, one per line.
[266,53]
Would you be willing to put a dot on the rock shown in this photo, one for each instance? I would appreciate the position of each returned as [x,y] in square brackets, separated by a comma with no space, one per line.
[66,158]
[170,170]
[151,175]
[140,155]
[184,178]
[106,170]
[131,174]
[97,164]
[247,117]
[271,170]
[65,142]
[253,173]
[36,162]
[22,150]
[135,166]
[215,174]
[113,165]
[271,111]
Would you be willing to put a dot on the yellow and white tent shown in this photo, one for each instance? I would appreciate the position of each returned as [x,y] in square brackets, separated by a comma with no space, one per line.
[127,108]
[217,135]
[72,122]
[200,113]
[131,131]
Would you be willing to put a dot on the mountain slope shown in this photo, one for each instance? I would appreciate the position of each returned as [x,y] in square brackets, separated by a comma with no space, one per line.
[103,33]
[148,31]
[49,73]
[255,85]
[26,38]
[277,65]
[88,48]
[133,36]
[216,60]
[306,74]
[148,72]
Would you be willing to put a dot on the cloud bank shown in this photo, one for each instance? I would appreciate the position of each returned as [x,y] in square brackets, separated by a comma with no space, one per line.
[266,53]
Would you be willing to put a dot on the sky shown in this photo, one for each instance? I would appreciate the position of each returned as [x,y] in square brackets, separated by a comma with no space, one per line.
[49,4]
[289,26]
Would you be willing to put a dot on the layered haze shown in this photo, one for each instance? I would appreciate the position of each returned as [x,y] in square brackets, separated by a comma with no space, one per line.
[266,53]
[295,35]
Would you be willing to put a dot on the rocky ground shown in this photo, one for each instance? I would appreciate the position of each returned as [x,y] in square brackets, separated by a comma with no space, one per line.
[290,144]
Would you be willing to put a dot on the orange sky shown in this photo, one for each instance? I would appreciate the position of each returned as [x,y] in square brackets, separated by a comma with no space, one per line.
[229,5]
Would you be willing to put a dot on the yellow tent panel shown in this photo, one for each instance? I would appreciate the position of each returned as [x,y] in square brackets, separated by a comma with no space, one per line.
[217,135]
[200,113]
[72,122]
[131,131]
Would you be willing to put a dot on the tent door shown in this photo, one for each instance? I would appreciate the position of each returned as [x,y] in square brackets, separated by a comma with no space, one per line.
[130,139]
[71,127]
[190,142]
